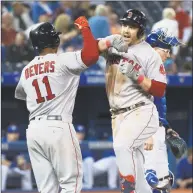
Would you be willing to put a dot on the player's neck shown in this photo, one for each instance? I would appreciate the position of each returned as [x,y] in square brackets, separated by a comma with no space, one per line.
[136,42]
[48,51]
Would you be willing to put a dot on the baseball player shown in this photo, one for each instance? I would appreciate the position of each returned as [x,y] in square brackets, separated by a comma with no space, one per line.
[49,84]
[86,157]
[132,79]
[107,164]
[14,164]
[156,161]
[91,168]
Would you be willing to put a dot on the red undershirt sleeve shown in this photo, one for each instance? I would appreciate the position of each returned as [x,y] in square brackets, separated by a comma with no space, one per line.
[90,51]
[157,88]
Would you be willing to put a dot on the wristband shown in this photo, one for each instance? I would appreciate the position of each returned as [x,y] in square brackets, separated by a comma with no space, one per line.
[108,43]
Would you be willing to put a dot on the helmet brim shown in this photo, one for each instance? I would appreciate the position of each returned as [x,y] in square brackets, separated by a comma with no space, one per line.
[129,22]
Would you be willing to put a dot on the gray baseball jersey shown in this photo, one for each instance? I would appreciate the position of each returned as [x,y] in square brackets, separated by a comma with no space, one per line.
[49,84]
[122,91]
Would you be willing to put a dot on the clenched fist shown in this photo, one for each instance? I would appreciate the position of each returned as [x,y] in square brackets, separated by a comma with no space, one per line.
[81,22]
[129,67]
[117,42]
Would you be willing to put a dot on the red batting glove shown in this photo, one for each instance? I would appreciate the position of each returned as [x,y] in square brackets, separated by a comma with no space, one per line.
[81,22]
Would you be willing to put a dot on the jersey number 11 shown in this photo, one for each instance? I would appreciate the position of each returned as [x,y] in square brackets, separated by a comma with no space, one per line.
[50,95]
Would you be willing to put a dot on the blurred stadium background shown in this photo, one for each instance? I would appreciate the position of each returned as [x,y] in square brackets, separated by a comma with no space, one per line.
[91,107]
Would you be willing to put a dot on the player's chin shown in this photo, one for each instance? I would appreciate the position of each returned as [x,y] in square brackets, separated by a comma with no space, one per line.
[127,40]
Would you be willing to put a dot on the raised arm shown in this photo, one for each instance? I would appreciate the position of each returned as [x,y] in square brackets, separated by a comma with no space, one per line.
[90,50]
[91,47]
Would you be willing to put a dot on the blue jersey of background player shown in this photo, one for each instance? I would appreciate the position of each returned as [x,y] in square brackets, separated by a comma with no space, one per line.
[162,41]
[162,109]
[106,164]
[85,151]
[157,172]
[87,158]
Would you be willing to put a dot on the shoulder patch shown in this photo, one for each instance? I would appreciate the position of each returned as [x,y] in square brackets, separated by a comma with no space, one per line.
[162,69]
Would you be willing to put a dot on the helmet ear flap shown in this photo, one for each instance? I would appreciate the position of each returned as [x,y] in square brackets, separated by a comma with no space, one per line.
[140,33]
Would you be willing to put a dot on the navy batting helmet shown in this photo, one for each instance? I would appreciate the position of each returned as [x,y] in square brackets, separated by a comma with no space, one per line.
[159,38]
[134,17]
[44,35]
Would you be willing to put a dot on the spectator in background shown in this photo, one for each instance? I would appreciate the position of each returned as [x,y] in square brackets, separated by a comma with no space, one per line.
[114,24]
[22,19]
[185,32]
[183,19]
[86,157]
[4,7]
[91,168]
[91,11]
[20,52]
[8,32]
[3,55]
[187,6]
[169,22]
[107,164]
[44,18]
[63,23]
[15,165]
[184,177]
[80,8]
[40,8]
[65,7]
[109,7]
[54,5]
[99,23]
[170,66]
[187,68]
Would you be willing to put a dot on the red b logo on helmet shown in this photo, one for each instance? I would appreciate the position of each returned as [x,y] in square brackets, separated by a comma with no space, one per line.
[130,14]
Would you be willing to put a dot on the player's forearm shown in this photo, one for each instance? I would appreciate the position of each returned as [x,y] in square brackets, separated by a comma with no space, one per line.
[153,87]
[90,51]
[68,36]
[103,45]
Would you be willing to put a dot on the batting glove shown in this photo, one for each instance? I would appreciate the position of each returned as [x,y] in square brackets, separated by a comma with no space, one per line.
[81,22]
[114,51]
[127,67]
